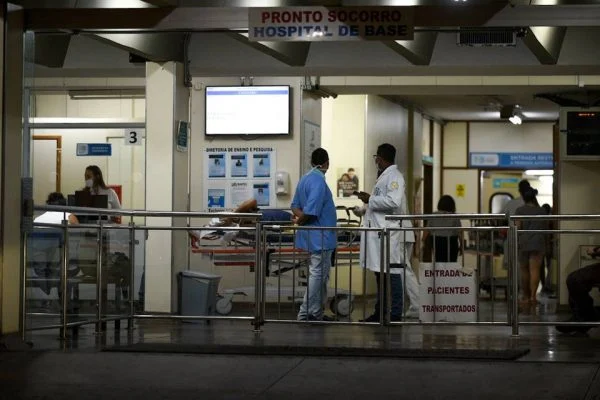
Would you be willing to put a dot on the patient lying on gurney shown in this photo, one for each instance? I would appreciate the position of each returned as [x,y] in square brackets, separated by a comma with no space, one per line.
[226,236]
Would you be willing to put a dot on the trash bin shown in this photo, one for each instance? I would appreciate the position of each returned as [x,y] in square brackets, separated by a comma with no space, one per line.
[197,293]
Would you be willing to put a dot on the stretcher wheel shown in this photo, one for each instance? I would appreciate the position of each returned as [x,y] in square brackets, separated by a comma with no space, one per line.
[341,305]
[224,305]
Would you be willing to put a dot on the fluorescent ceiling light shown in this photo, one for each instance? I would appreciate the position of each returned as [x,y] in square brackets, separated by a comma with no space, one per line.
[515,119]
[107,94]
[546,178]
[539,172]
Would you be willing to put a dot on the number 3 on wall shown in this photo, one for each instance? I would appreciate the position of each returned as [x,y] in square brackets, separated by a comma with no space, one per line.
[133,138]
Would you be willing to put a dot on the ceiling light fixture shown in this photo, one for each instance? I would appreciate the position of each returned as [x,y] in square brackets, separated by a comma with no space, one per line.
[515,119]
[512,113]
[539,172]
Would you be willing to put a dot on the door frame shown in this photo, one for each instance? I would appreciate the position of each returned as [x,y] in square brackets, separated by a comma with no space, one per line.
[58,140]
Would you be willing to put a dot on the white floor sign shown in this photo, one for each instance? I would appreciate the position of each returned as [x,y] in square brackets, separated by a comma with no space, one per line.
[447,293]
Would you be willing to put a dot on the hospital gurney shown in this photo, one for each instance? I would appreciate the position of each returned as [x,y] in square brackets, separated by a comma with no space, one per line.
[280,258]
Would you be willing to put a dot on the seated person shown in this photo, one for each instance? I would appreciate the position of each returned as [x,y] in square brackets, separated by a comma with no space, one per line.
[56,217]
[45,250]
[248,206]
[579,284]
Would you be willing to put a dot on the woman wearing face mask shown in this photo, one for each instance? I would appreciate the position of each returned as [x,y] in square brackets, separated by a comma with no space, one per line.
[94,183]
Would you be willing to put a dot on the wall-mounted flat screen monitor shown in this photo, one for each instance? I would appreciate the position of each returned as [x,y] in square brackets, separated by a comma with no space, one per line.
[248,110]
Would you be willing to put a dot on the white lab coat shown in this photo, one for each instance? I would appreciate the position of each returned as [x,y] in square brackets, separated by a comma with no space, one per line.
[387,198]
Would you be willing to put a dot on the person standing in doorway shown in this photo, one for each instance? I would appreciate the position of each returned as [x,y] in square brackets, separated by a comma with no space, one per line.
[532,246]
[313,206]
[388,198]
[446,244]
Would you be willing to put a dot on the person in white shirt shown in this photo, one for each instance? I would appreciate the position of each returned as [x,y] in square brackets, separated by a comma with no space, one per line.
[45,242]
[389,198]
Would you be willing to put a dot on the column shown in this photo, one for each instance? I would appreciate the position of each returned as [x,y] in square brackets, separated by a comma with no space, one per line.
[10,164]
[167,178]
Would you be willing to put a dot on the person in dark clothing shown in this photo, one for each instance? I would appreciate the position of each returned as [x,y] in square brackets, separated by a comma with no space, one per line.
[446,243]
[580,283]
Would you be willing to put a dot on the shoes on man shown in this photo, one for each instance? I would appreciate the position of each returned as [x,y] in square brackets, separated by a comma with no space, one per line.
[569,329]
[375,318]
[325,318]
[372,318]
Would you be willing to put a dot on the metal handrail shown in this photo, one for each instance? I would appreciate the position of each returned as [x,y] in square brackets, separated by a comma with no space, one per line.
[260,282]
[144,213]
[445,216]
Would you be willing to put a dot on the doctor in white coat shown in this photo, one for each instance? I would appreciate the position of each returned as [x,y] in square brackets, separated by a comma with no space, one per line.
[388,198]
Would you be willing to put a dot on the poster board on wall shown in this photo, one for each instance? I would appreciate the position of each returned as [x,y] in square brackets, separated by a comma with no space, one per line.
[234,174]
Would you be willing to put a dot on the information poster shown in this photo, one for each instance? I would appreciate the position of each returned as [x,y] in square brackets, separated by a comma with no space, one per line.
[447,293]
[216,198]
[347,182]
[239,192]
[217,166]
[262,165]
[239,165]
[261,192]
[233,175]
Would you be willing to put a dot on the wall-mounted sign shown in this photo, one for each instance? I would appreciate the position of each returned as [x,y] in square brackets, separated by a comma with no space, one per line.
[460,190]
[94,149]
[181,138]
[512,160]
[505,183]
[330,23]
[133,137]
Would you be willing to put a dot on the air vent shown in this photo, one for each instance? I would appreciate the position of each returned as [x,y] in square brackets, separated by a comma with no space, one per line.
[486,38]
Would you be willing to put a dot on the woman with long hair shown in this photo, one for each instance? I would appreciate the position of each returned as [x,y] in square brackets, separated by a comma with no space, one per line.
[94,183]
[445,243]
[532,247]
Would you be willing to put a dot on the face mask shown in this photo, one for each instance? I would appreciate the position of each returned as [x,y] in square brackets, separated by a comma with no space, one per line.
[89,183]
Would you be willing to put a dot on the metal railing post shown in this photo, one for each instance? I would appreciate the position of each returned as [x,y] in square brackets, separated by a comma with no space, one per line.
[64,269]
[514,265]
[23,319]
[382,269]
[388,280]
[258,315]
[100,326]
[131,275]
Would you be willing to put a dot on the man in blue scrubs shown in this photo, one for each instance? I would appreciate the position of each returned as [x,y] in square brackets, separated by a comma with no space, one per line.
[313,206]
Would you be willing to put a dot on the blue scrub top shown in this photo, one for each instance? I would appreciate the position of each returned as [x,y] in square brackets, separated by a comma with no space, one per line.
[314,198]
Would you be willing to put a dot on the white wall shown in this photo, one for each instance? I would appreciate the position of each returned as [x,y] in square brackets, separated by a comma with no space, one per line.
[531,137]
[426,138]
[455,144]
[60,105]
[469,178]
[437,162]
[387,122]
[343,136]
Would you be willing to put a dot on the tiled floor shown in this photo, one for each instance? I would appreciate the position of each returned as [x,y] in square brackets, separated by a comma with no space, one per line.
[557,366]
[544,342]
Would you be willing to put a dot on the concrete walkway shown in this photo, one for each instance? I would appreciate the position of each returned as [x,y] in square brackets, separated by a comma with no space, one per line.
[90,374]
